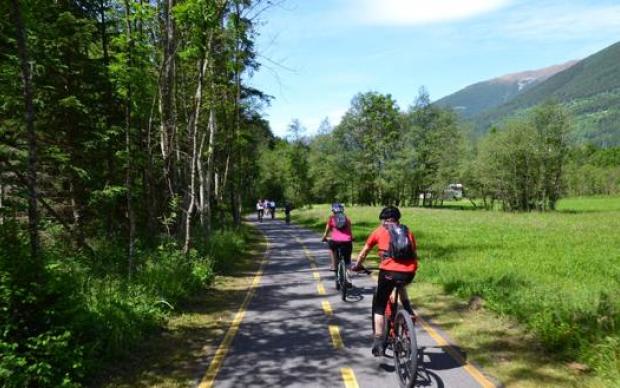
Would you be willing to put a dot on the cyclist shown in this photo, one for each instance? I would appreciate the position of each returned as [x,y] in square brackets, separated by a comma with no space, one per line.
[287,211]
[260,210]
[341,237]
[391,270]
[272,209]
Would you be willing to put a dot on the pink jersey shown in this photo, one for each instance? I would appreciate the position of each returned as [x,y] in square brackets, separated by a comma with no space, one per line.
[340,235]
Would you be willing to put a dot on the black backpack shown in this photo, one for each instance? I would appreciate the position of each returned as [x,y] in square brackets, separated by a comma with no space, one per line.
[401,246]
[340,220]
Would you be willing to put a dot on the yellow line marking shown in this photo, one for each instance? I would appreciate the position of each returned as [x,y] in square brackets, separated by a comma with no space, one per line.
[469,368]
[208,379]
[316,275]
[348,376]
[320,289]
[327,308]
[334,332]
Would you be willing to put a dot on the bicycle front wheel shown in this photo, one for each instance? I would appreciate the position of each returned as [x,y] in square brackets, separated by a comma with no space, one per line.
[405,349]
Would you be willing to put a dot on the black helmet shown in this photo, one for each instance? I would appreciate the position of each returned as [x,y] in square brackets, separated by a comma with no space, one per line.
[389,212]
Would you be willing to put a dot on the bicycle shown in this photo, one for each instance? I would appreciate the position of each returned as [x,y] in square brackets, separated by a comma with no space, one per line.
[399,336]
[342,283]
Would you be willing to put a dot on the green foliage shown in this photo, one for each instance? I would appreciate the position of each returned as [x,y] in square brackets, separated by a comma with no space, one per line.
[80,314]
[378,154]
[522,165]
[593,170]
[555,272]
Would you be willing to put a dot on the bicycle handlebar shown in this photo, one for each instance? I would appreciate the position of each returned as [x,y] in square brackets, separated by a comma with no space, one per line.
[366,270]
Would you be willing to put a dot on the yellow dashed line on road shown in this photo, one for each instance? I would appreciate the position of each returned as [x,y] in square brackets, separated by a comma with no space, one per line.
[348,376]
[334,332]
[469,368]
[327,308]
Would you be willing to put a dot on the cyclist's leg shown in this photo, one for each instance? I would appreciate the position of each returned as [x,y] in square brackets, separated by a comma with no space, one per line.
[385,286]
[404,297]
[332,254]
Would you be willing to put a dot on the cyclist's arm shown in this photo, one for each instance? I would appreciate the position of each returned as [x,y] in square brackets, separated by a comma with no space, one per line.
[327,229]
[362,255]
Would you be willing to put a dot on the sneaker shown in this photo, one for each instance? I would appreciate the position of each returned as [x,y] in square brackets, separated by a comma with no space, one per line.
[377,347]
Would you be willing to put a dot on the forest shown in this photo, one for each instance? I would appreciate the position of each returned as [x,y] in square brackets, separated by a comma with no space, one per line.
[132,145]
[128,134]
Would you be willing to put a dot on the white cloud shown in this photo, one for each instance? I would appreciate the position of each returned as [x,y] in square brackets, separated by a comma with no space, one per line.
[416,12]
[562,22]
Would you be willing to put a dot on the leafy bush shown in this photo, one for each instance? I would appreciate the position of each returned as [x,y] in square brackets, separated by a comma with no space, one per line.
[63,316]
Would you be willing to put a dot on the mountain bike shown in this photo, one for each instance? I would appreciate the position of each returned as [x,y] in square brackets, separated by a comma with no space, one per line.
[399,337]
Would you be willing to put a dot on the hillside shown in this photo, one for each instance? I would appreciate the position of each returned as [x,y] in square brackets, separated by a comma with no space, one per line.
[590,90]
[485,95]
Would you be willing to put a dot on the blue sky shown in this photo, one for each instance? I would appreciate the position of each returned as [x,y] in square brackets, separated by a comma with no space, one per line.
[317,54]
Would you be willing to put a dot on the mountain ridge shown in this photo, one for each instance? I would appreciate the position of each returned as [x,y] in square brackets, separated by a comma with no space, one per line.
[589,89]
[493,92]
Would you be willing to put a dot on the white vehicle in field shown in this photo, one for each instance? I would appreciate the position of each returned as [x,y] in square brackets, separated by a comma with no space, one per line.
[453,191]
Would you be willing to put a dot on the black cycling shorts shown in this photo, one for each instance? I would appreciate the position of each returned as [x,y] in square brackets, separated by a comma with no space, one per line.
[345,247]
[387,281]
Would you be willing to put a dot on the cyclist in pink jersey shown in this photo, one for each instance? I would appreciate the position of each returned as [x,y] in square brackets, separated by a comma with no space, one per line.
[341,236]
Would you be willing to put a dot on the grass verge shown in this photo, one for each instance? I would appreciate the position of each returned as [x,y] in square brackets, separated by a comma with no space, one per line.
[179,355]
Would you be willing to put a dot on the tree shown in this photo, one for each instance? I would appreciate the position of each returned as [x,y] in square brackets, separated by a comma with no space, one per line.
[521,165]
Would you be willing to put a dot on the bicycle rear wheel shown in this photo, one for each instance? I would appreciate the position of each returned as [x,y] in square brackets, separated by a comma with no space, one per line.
[405,348]
[342,278]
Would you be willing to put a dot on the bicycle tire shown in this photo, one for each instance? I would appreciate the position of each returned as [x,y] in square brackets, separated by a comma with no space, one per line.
[337,273]
[343,278]
[405,348]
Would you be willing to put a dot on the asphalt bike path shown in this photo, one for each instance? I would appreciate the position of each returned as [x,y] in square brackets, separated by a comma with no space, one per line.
[293,329]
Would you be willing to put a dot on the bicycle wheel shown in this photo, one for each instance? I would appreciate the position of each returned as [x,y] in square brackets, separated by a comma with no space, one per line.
[342,271]
[405,348]
[337,280]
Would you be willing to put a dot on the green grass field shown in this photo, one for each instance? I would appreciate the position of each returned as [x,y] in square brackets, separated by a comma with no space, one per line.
[558,272]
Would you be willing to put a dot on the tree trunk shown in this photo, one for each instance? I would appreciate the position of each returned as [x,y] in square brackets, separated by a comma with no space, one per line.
[201,183]
[33,211]
[166,92]
[128,149]
[193,134]
[210,169]
[1,200]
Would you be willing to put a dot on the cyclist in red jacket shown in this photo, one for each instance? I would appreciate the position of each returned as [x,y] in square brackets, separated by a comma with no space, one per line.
[391,269]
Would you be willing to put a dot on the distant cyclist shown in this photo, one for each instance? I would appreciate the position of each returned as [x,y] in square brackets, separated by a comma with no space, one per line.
[288,207]
[399,263]
[341,237]
[260,210]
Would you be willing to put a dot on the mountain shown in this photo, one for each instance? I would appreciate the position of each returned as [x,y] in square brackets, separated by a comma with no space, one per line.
[485,95]
[589,90]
